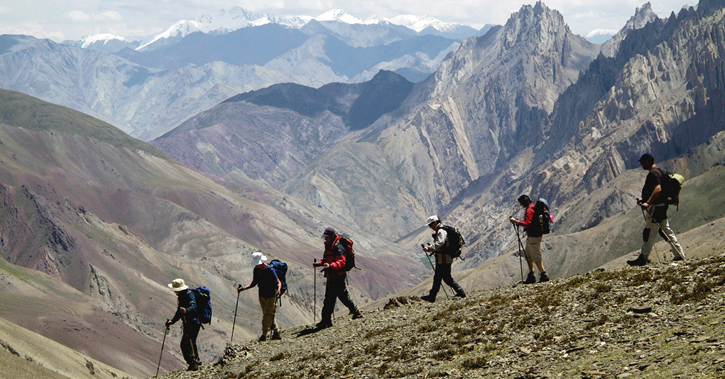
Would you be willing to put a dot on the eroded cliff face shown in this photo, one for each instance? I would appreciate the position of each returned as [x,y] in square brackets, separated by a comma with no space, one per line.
[483,106]
[662,93]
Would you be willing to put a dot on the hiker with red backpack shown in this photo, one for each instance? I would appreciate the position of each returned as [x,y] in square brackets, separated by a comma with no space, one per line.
[535,228]
[270,287]
[338,259]
[654,204]
[444,259]
[187,312]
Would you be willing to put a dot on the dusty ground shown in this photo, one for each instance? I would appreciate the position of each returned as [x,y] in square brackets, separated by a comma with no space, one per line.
[663,320]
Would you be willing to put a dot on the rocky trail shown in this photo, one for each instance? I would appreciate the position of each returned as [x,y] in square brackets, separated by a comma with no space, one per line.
[664,320]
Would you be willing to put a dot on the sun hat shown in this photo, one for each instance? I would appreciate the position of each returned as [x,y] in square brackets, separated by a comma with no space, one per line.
[258,258]
[178,285]
[432,219]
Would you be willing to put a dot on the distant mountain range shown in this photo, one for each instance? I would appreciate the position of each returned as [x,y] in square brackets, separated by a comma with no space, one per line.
[229,20]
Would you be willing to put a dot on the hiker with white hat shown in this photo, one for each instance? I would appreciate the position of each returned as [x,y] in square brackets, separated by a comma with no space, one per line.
[269,288]
[444,260]
[187,312]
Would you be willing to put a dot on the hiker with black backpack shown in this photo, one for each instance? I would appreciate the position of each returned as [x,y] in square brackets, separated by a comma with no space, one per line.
[444,250]
[654,205]
[535,229]
[187,312]
[338,259]
[270,287]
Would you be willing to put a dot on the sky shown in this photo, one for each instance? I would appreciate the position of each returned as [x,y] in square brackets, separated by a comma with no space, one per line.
[61,20]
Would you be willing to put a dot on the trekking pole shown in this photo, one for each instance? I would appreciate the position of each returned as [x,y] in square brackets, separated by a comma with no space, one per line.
[163,342]
[314,295]
[434,268]
[518,237]
[235,315]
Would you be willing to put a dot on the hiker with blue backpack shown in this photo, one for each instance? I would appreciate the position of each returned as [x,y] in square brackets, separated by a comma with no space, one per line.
[270,287]
[338,259]
[536,223]
[187,312]
[654,204]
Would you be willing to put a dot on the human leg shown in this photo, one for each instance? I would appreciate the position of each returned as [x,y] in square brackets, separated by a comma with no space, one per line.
[269,309]
[675,246]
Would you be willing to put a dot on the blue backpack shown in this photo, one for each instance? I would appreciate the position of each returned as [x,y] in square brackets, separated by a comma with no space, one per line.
[203,304]
[280,268]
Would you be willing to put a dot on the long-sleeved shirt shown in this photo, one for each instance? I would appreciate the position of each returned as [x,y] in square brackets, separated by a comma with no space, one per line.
[334,255]
[186,299]
[528,220]
[439,245]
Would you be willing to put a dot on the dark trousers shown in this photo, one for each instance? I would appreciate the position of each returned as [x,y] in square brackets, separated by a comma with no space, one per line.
[188,343]
[336,288]
[443,273]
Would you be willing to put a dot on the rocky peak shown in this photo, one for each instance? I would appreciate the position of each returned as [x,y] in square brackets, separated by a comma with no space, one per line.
[533,25]
[642,16]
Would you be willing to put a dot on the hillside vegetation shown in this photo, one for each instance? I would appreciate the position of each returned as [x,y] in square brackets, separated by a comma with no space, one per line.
[663,320]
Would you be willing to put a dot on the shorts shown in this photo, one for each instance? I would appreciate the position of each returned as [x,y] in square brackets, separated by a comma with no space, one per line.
[533,249]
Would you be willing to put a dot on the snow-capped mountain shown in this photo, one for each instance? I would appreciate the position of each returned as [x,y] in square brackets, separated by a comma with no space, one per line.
[105,42]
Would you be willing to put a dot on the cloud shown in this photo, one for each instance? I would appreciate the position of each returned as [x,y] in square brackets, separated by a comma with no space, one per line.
[79,16]
[113,15]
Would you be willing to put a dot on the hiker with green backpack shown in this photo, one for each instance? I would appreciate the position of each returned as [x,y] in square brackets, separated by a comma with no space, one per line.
[445,249]
[270,287]
[536,223]
[337,260]
[657,194]
[187,312]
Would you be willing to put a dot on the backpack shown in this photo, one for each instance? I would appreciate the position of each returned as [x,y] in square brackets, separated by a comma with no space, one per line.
[203,304]
[455,241]
[542,217]
[350,256]
[671,187]
[280,268]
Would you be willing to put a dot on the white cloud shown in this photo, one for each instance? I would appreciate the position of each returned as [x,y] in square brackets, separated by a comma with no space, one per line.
[113,15]
[79,16]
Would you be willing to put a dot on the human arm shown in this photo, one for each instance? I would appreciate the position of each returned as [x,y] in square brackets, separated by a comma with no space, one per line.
[438,242]
[653,197]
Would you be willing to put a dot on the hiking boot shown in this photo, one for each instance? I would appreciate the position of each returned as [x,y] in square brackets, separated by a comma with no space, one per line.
[640,261]
[531,279]
[678,259]
[428,298]
[460,294]
[276,336]
[543,277]
[323,324]
[262,338]
[192,367]
[357,315]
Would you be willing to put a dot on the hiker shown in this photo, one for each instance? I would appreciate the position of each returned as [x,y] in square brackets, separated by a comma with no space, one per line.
[444,261]
[270,288]
[187,312]
[534,234]
[655,208]
[333,262]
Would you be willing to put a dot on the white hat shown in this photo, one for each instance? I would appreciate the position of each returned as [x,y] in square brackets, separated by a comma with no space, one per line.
[178,285]
[432,219]
[258,258]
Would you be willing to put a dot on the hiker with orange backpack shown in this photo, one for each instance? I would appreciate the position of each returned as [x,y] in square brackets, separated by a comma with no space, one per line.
[444,259]
[270,287]
[336,261]
[187,312]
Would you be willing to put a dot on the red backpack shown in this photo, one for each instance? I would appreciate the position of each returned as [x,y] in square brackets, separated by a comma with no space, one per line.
[350,255]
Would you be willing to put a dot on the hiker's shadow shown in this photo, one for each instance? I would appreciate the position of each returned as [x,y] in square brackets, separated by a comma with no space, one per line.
[306,331]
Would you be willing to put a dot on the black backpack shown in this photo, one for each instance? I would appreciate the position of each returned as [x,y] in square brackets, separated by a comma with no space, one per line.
[542,217]
[280,268]
[455,241]
[203,304]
